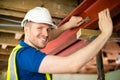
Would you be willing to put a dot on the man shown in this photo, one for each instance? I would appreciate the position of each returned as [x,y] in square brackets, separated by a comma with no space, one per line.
[32,64]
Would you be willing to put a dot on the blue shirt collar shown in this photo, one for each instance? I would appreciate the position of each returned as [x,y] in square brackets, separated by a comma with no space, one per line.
[22,43]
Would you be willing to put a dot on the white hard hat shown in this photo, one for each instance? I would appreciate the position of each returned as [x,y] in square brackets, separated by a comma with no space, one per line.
[39,15]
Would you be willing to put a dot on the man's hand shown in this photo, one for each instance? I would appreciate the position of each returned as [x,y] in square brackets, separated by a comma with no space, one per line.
[105,22]
[74,21]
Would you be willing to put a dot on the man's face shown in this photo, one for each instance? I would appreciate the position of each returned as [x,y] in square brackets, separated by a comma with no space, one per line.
[38,34]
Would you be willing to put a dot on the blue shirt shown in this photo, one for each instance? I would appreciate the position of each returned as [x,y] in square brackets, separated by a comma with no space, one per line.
[28,60]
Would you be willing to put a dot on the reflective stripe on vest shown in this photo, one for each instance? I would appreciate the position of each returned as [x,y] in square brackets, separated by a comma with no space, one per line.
[12,69]
[48,76]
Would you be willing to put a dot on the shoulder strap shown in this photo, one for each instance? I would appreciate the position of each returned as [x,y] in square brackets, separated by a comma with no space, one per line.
[12,69]
[48,77]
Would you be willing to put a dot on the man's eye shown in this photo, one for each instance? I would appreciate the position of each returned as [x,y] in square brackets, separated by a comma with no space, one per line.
[49,30]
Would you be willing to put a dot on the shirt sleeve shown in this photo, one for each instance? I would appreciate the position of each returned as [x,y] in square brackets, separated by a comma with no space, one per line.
[30,59]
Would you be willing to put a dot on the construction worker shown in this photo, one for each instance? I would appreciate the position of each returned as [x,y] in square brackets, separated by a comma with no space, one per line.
[27,62]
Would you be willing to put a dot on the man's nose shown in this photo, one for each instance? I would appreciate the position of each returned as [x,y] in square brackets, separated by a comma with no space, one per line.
[45,33]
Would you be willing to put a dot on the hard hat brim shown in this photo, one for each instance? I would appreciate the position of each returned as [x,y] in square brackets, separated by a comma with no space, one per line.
[52,25]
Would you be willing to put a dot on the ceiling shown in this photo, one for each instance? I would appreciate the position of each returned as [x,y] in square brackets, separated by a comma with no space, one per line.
[61,10]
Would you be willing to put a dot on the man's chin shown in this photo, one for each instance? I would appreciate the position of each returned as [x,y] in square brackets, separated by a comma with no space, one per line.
[42,47]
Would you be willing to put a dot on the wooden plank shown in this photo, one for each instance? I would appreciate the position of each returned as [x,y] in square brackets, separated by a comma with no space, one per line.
[8,39]
[3,66]
[57,8]
[12,29]
[4,57]
[18,31]
[6,51]
[12,13]
[20,15]
[86,33]
[89,33]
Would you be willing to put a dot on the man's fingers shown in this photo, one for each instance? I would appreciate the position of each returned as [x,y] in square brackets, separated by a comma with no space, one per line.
[100,15]
[80,23]
[104,14]
[108,14]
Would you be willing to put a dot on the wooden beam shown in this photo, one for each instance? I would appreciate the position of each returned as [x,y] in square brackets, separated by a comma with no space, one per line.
[8,39]
[3,66]
[12,13]
[57,8]
[6,51]
[12,29]
[20,15]
[86,33]
[4,57]
[89,33]
[18,31]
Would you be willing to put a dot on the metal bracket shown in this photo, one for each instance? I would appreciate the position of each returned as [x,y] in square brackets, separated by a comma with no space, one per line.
[87,19]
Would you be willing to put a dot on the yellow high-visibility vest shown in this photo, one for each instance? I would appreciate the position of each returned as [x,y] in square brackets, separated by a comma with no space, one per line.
[12,69]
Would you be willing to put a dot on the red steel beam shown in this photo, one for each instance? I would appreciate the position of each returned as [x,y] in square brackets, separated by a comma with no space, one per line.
[114,11]
[73,48]
[56,45]
[69,36]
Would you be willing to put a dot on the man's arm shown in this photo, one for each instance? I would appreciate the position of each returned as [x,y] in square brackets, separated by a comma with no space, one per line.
[72,23]
[73,63]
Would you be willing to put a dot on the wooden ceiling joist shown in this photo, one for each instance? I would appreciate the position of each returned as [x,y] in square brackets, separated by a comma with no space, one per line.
[4,57]
[8,39]
[18,31]
[6,51]
[57,8]
[12,13]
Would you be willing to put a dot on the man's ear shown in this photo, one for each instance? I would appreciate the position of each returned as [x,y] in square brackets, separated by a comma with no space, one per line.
[26,26]
[26,30]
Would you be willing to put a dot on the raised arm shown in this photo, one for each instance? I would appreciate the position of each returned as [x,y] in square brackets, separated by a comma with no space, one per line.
[72,23]
[73,63]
